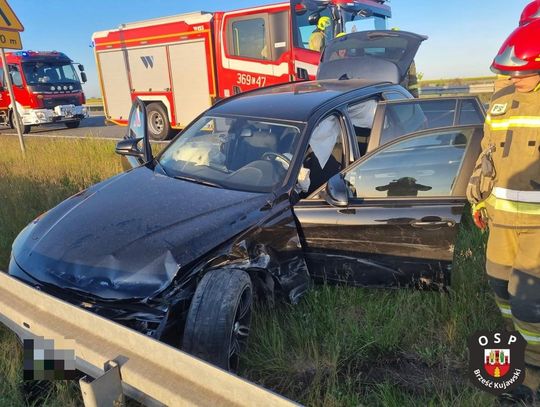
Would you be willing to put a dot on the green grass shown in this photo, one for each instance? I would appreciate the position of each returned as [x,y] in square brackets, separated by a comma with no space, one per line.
[340,346]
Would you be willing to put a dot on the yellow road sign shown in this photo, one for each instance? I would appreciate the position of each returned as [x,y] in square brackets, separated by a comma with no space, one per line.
[10,39]
[8,19]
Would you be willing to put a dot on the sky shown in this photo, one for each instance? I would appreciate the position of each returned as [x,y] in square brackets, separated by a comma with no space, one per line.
[464,35]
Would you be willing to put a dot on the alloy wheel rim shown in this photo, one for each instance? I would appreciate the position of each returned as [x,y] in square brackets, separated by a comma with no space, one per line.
[240,329]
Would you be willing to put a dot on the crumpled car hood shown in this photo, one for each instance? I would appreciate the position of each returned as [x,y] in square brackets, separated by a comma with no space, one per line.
[127,237]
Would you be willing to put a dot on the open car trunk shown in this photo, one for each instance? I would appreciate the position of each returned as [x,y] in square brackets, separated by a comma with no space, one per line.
[380,55]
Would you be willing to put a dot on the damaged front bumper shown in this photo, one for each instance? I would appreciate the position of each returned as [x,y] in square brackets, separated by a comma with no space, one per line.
[143,315]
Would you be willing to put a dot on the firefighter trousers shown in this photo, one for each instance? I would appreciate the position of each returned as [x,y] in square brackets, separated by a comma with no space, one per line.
[513,268]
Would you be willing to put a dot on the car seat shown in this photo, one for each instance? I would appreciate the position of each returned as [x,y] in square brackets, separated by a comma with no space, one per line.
[253,142]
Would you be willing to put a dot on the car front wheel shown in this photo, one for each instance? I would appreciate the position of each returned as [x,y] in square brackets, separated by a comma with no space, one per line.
[219,318]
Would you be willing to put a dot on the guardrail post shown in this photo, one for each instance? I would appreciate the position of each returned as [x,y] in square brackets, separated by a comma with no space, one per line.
[105,390]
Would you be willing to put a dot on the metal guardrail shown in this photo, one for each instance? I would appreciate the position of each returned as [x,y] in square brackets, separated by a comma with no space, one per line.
[94,107]
[150,372]
[452,90]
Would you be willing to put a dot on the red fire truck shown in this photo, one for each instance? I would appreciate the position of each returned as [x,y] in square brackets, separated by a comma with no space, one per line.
[181,65]
[47,89]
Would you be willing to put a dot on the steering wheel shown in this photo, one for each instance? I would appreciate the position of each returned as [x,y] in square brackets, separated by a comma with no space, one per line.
[271,155]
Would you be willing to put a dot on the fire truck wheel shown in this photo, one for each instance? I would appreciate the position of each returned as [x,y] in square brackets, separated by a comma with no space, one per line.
[73,124]
[25,129]
[158,122]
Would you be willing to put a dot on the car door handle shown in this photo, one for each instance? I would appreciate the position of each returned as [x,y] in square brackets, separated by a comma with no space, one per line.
[434,223]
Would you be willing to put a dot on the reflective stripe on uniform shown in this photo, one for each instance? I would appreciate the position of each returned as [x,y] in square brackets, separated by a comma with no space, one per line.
[515,195]
[512,121]
[514,207]
[505,309]
[531,337]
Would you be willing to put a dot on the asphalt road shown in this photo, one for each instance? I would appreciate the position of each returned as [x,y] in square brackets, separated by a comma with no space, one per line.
[93,126]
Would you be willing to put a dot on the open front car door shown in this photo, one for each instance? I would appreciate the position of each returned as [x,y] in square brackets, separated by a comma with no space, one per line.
[392,217]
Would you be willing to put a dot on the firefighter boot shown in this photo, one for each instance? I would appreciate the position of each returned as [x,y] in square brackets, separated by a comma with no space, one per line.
[502,299]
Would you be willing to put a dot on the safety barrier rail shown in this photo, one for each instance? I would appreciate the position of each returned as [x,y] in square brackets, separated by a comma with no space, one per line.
[121,360]
[94,107]
[452,90]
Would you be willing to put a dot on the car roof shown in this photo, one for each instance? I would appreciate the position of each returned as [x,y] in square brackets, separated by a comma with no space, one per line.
[294,101]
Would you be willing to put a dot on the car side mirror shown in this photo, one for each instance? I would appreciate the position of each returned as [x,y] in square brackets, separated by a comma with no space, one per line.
[81,67]
[137,131]
[336,191]
[84,78]
[129,147]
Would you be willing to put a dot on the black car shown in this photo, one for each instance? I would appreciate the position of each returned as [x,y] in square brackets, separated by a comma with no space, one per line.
[339,180]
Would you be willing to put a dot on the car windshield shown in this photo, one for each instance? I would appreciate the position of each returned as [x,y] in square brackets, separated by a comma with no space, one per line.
[234,153]
[38,73]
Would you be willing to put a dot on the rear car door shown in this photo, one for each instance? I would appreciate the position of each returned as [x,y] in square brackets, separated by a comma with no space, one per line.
[396,118]
[405,204]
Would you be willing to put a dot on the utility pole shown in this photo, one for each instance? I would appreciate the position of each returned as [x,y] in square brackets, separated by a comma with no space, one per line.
[10,27]
[15,113]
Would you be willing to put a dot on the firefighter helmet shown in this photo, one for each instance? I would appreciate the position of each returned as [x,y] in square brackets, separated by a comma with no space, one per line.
[530,13]
[520,53]
[323,23]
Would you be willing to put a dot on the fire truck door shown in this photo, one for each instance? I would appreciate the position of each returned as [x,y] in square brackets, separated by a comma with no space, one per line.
[255,50]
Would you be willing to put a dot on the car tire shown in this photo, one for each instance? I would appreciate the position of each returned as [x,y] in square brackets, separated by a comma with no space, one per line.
[159,127]
[73,124]
[219,318]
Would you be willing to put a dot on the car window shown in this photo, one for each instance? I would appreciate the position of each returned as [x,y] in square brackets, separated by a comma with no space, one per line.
[233,152]
[411,116]
[247,38]
[324,157]
[395,96]
[16,77]
[361,116]
[421,166]
[469,113]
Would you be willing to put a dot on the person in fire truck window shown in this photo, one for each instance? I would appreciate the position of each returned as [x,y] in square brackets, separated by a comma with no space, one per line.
[317,39]
[340,52]
[505,193]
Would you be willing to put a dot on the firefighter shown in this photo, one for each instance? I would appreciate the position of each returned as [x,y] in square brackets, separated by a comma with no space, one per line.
[341,52]
[317,38]
[505,192]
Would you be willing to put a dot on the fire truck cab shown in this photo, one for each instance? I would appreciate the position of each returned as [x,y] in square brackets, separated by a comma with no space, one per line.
[180,65]
[47,89]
